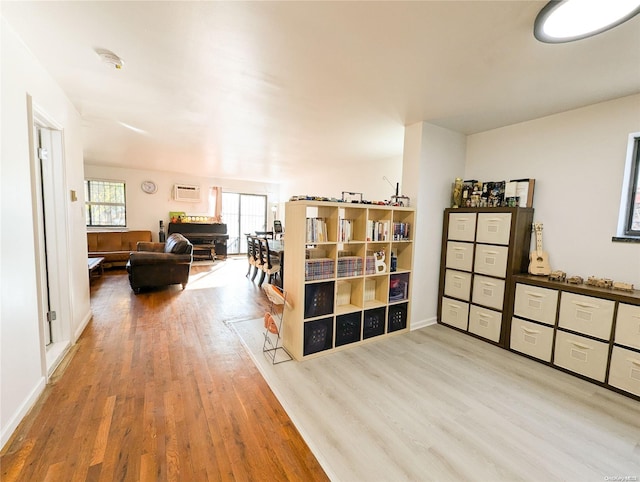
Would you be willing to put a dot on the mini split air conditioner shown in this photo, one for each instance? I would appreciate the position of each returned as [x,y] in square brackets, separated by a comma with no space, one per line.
[182,192]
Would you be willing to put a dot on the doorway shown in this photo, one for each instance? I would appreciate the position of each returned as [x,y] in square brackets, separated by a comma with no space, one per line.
[243,213]
[48,188]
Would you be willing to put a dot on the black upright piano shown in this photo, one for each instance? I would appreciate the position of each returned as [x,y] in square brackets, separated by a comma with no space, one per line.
[209,239]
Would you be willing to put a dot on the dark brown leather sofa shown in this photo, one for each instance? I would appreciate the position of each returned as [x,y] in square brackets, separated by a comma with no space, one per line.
[160,264]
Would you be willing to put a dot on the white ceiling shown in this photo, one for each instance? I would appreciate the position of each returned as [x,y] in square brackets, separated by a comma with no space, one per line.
[259,90]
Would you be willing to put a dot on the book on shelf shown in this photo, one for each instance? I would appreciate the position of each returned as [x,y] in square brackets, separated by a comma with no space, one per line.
[344,231]
[349,266]
[343,293]
[400,231]
[318,268]
[377,230]
[369,289]
[519,192]
[316,230]
[398,289]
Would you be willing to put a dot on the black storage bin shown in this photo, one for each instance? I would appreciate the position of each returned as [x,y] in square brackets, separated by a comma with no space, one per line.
[397,319]
[318,335]
[318,299]
[373,322]
[348,328]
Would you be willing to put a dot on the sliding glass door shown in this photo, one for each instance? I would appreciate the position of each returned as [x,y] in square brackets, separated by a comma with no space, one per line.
[243,213]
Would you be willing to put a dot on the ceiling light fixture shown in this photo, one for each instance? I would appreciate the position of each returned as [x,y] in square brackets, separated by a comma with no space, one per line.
[109,58]
[568,20]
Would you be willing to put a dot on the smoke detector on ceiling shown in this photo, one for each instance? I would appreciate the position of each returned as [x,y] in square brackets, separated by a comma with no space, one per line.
[109,58]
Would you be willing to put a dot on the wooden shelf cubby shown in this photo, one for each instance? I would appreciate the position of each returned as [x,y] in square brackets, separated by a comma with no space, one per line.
[338,296]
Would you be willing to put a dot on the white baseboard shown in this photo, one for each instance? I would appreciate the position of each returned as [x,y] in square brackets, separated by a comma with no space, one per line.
[10,427]
[422,323]
[87,318]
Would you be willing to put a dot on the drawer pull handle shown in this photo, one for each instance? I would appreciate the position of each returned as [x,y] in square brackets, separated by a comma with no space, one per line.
[451,305]
[535,295]
[529,331]
[490,252]
[459,249]
[484,315]
[635,362]
[585,305]
[493,220]
[458,276]
[580,345]
[486,283]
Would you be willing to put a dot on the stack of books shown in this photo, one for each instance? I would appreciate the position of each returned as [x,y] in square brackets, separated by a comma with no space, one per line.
[349,266]
[370,264]
[319,268]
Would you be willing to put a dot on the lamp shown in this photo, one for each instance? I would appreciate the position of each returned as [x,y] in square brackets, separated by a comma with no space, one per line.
[568,20]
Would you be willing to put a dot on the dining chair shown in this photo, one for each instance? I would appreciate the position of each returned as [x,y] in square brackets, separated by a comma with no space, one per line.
[269,263]
[250,255]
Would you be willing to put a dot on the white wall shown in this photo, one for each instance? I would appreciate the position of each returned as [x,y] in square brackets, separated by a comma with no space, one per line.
[577,159]
[22,370]
[365,177]
[433,158]
[144,211]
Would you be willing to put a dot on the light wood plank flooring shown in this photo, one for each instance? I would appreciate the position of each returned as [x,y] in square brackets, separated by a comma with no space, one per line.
[159,388]
[435,404]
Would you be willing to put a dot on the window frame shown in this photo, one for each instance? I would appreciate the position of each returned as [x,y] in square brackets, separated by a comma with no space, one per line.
[88,203]
[634,173]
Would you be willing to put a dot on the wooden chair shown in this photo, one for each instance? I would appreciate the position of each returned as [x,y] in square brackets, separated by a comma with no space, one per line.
[253,254]
[269,263]
[277,229]
[250,255]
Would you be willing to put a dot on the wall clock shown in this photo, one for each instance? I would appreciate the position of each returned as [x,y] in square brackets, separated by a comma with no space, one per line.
[149,187]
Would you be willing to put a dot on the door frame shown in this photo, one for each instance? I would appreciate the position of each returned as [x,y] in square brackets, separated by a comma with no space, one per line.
[58,242]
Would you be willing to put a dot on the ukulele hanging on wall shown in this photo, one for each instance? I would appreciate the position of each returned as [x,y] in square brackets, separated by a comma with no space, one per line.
[539,259]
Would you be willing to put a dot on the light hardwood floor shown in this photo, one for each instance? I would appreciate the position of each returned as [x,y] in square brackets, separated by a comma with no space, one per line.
[159,388]
[435,404]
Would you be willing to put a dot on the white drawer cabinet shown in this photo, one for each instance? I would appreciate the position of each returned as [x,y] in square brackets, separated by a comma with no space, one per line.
[462,226]
[459,255]
[532,339]
[481,249]
[491,260]
[586,314]
[488,291]
[581,355]
[535,303]
[624,372]
[628,325]
[457,284]
[485,323]
[455,313]
[494,228]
